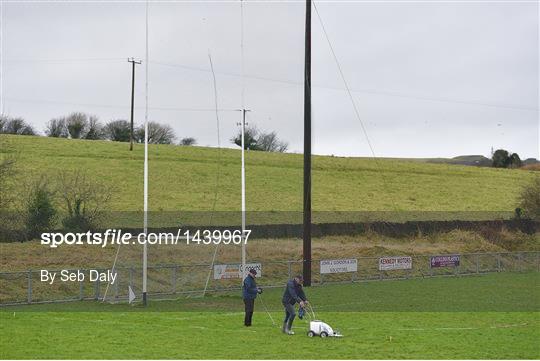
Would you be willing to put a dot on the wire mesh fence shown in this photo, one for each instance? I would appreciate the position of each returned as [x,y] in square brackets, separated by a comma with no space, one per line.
[187,279]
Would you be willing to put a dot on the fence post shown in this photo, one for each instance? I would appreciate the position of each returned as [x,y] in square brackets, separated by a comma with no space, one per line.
[131,277]
[81,290]
[498,262]
[174,276]
[477,263]
[116,283]
[96,290]
[29,296]
[289,267]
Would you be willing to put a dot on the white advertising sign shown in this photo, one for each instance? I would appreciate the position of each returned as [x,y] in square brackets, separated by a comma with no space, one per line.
[339,265]
[228,271]
[393,263]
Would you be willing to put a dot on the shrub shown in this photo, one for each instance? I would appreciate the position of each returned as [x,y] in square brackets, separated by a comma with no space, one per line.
[188,141]
[7,172]
[503,159]
[8,220]
[529,199]
[40,213]
[514,161]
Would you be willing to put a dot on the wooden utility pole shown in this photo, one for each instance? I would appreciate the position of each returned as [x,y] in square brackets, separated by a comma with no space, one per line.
[307,151]
[133,62]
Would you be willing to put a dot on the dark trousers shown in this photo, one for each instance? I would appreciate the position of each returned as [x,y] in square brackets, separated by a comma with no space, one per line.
[290,314]
[249,306]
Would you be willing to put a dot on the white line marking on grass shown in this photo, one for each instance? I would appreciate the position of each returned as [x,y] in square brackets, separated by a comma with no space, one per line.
[524,324]
[509,326]
[205,315]
[438,329]
[456,328]
[199,327]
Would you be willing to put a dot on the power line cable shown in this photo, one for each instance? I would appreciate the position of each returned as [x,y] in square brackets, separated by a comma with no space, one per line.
[353,103]
[62,61]
[365,91]
[118,106]
[299,83]
[218,171]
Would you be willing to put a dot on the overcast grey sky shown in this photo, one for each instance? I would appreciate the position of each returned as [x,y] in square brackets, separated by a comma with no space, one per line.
[430,79]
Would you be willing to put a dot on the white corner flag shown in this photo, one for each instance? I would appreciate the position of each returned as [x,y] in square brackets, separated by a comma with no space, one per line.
[131,294]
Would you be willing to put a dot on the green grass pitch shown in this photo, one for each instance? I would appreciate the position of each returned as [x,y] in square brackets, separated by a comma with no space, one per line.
[473,317]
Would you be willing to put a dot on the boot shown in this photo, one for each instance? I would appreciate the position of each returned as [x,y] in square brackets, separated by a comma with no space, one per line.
[284,327]
[288,329]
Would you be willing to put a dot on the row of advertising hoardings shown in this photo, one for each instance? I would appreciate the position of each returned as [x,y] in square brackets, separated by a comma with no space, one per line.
[333,266]
[388,263]
[27,287]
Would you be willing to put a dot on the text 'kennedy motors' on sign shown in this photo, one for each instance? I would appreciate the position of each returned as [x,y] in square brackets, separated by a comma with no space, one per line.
[338,266]
[393,263]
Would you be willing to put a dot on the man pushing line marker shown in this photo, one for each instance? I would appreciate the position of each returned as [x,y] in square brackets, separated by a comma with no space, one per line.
[249,293]
[294,293]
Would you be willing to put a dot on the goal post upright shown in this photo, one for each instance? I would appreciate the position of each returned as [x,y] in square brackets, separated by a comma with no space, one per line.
[243,196]
[243,129]
[145,186]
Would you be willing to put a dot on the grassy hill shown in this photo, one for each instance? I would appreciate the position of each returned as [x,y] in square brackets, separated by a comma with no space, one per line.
[473,160]
[184,178]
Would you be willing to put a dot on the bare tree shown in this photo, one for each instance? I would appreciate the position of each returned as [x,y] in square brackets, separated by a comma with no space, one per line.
[188,141]
[157,133]
[269,142]
[84,200]
[76,124]
[117,130]
[257,140]
[56,128]
[18,126]
[94,129]
[250,138]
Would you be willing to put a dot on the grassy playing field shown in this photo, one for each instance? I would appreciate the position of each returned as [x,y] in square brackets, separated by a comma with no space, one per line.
[184,178]
[474,317]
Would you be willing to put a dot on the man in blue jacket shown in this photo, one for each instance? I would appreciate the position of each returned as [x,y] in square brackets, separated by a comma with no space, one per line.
[294,293]
[249,293]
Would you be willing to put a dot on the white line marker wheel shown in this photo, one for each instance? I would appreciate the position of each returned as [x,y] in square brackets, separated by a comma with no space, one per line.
[324,334]
[311,334]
